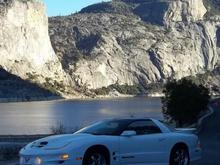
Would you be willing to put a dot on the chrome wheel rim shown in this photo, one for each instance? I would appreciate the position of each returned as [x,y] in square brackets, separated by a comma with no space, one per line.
[181,157]
[97,159]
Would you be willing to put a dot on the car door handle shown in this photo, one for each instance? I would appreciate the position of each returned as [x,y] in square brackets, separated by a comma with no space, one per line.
[161,139]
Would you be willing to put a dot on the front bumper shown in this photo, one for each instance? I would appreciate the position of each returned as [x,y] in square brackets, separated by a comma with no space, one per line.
[47,160]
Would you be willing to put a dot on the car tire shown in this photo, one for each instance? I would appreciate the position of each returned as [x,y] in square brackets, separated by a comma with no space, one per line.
[94,157]
[179,155]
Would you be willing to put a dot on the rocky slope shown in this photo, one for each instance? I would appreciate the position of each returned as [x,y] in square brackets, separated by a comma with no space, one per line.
[136,42]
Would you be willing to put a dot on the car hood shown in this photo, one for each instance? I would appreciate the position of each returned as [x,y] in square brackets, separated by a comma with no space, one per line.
[57,141]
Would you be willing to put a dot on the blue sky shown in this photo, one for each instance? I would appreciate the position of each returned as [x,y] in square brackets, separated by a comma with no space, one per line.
[65,7]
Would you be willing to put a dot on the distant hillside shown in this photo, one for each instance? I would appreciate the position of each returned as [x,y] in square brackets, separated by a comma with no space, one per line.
[151,11]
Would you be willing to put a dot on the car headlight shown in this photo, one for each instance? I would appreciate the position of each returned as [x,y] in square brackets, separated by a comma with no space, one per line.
[21,160]
[38,161]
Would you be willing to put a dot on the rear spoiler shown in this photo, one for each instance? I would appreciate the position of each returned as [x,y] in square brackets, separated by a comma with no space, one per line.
[186,130]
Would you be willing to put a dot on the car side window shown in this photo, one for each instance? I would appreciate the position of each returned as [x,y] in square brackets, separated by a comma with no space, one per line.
[144,127]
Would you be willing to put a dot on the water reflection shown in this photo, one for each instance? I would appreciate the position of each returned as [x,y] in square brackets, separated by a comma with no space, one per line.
[39,117]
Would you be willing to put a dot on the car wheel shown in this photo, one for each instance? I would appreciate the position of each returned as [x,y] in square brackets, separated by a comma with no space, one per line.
[179,156]
[95,158]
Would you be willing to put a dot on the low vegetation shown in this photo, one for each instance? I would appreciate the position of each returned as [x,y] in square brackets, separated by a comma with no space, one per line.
[213,7]
[53,86]
[209,79]
[123,89]
[9,152]
[58,129]
[184,101]
[13,87]
[31,76]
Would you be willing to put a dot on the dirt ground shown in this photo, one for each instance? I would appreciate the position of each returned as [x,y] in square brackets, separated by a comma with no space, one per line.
[11,162]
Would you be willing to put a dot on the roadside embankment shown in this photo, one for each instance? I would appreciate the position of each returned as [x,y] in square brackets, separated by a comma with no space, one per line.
[200,123]
[32,99]
[11,145]
[198,126]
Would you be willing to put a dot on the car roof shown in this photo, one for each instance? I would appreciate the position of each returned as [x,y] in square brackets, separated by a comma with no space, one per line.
[129,119]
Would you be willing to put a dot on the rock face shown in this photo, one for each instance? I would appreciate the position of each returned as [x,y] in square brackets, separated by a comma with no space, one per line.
[25,47]
[136,42]
[122,42]
[186,10]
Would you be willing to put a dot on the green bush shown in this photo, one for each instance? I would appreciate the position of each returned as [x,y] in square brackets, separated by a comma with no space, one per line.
[127,89]
[32,76]
[184,101]
[102,91]
[123,89]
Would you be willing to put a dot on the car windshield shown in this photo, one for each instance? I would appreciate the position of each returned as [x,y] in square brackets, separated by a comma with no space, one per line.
[110,127]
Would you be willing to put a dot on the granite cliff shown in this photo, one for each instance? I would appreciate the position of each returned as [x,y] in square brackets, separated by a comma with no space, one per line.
[136,41]
[126,43]
[25,47]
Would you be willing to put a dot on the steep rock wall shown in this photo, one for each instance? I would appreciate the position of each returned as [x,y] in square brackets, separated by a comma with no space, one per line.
[185,11]
[105,48]
[25,47]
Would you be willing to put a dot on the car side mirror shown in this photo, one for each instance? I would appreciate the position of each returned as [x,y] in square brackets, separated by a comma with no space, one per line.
[128,133]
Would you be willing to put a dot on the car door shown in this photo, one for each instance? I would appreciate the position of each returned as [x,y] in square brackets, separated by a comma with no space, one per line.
[148,146]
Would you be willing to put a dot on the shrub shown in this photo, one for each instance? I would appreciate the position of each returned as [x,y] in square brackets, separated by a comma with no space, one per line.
[102,91]
[58,129]
[184,101]
[32,76]
[123,89]
[127,89]
[9,152]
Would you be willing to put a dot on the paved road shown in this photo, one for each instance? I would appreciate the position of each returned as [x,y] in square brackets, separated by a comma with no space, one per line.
[210,139]
[9,163]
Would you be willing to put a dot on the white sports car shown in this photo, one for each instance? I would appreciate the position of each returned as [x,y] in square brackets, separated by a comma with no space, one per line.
[114,142]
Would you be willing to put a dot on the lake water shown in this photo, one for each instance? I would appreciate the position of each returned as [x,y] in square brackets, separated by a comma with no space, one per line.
[38,117]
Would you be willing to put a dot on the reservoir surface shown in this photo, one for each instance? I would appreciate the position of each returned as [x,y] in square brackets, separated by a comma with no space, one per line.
[28,118]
